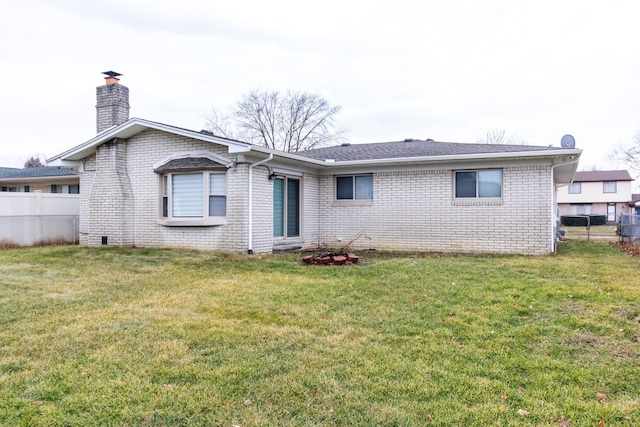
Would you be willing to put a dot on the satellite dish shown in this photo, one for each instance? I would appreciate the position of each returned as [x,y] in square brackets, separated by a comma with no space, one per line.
[568,141]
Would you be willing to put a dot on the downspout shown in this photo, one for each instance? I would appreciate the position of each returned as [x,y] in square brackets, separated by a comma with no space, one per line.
[250,245]
[554,196]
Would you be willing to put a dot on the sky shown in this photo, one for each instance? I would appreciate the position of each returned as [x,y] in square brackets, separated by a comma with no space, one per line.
[449,70]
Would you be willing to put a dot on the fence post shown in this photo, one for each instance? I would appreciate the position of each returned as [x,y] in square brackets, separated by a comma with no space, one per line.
[38,236]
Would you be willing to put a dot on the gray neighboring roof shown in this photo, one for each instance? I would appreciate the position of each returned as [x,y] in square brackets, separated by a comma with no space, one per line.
[595,176]
[39,172]
[413,148]
[4,172]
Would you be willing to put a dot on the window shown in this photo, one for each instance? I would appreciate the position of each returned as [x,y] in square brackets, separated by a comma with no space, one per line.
[609,187]
[194,195]
[478,184]
[357,187]
[581,209]
[26,188]
[575,188]
[217,194]
[192,189]
[54,188]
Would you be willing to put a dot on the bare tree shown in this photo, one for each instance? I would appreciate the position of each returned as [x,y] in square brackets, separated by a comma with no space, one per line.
[628,155]
[33,162]
[288,122]
[499,136]
[591,168]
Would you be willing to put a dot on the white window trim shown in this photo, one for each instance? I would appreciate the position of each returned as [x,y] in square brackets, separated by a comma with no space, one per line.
[352,200]
[205,220]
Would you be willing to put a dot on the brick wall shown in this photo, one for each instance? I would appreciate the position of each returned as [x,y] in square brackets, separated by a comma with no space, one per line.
[310,211]
[112,106]
[141,204]
[411,210]
[416,210]
[87,179]
[111,197]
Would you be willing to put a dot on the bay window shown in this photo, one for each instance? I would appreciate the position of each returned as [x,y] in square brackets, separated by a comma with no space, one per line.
[194,196]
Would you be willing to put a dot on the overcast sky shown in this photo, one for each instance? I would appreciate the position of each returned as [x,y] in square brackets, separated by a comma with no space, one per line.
[449,70]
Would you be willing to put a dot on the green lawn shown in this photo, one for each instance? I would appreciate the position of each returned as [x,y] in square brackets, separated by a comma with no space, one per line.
[139,337]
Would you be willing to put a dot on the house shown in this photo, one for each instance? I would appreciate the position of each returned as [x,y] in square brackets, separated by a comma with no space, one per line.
[149,184]
[597,193]
[634,204]
[47,179]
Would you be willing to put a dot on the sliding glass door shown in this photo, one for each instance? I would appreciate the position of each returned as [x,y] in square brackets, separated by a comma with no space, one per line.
[286,207]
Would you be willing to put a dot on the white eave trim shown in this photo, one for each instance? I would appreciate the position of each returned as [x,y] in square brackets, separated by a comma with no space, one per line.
[72,164]
[518,155]
[134,126]
[459,157]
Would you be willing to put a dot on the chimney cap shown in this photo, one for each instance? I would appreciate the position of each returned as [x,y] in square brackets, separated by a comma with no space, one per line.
[111,74]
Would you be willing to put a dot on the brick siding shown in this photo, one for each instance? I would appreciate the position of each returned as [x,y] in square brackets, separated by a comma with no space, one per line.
[416,210]
[411,210]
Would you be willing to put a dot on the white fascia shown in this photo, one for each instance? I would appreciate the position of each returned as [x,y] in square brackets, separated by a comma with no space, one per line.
[134,126]
[332,164]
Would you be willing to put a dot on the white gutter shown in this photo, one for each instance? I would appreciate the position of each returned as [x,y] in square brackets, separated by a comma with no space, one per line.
[331,163]
[250,244]
[554,196]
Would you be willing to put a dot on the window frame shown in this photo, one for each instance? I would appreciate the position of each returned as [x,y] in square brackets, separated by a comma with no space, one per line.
[575,188]
[166,199]
[604,187]
[477,196]
[581,208]
[291,222]
[354,192]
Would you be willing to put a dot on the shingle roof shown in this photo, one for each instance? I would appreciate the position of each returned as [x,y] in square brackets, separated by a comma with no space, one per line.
[190,163]
[595,176]
[39,172]
[4,172]
[412,148]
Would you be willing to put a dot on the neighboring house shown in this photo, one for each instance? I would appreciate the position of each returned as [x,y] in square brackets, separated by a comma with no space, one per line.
[634,204]
[47,179]
[149,184]
[597,193]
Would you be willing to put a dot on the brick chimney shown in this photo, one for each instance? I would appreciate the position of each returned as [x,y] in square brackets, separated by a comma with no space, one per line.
[112,107]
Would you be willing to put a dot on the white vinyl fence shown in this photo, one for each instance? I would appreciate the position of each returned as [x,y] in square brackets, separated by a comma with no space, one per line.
[28,219]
